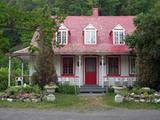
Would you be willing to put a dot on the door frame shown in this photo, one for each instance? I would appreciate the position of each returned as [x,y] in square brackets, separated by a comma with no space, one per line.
[97,68]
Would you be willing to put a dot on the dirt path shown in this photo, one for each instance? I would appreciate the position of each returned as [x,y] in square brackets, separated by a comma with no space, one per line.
[91,103]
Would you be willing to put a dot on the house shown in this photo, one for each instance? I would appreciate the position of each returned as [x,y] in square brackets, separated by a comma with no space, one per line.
[94,51]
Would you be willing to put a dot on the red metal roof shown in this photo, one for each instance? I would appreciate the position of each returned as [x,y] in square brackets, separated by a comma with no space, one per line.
[104,26]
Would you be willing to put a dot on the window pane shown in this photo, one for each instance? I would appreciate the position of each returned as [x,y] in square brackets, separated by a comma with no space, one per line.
[90,64]
[90,37]
[116,37]
[87,36]
[63,37]
[132,65]
[121,37]
[59,37]
[113,65]
[68,65]
[93,37]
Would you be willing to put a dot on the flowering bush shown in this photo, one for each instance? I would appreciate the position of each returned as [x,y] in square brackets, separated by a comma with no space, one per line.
[25,95]
[25,91]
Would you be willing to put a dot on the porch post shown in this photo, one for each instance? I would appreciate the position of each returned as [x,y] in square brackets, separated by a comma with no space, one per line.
[22,74]
[80,71]
[9,72]
[29,68]
[102,60]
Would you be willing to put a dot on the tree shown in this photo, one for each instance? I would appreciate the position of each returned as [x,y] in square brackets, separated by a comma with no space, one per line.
[108,7]
[134,7]
[145,40]
[29,21]
[74,7]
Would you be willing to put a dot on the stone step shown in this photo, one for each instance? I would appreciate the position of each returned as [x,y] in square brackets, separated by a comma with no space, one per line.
[91,94]
[92,89]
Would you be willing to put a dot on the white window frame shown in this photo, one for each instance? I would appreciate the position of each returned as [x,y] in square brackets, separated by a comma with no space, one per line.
[90,28]
[130,71]
[63,29]
[118,29]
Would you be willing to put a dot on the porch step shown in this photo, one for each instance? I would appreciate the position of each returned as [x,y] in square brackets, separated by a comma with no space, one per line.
[91,94]
[92,89]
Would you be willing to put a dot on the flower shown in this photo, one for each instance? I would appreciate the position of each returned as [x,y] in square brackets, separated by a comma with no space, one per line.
[24,85]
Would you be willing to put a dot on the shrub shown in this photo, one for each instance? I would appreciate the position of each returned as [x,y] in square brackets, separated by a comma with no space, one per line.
[3,79]
[36,89]
[16,90]
[13,91]
[143,91]
[130,88]
[27,89]
[110,90]
[67,89]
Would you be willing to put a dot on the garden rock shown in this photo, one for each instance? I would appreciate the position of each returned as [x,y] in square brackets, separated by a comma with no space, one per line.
[10,99]
[51,98]
[119,98]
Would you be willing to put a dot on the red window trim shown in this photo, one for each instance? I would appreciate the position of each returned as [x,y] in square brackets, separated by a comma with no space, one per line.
[119,66]
[67,75]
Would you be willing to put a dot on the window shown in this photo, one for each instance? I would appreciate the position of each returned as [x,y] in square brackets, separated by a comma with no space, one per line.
[68,66]
[132,65]
[62,35]
[118,35]
[90,35]
[113,65]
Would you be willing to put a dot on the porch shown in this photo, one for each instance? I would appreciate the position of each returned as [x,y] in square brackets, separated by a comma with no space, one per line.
[90,70]
[95,70]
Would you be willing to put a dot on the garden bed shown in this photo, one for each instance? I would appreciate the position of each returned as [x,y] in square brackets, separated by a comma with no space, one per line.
[143,95]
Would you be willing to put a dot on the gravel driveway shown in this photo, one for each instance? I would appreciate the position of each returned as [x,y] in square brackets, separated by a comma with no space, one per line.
[113,114]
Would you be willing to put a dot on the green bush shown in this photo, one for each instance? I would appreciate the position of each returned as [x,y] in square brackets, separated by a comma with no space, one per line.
[110,90]
[27,89]
[16,90]
[3,79]
[13,91]
[143,91]
[30,89]
[67,89]
[36,89]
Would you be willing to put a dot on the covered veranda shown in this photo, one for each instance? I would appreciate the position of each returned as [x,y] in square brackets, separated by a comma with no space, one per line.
[25,57]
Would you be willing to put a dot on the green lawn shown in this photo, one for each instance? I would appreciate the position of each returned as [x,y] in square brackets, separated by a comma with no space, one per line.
[73,102]
[62,101]
[109,100]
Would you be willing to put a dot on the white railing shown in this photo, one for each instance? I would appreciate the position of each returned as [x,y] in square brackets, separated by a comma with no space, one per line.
[121,80]
[71,80]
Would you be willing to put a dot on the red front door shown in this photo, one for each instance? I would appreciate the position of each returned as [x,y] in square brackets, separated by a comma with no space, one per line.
[90,71]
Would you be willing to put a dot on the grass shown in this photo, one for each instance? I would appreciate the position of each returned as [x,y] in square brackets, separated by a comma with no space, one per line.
[62,101]
[65,102]
[109,100]
[80,103]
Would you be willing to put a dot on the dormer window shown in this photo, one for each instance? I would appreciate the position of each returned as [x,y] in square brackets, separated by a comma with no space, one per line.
[90,35]
[62,35]
[118,35]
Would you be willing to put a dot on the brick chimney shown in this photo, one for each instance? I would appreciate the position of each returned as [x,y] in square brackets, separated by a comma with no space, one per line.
[95,12]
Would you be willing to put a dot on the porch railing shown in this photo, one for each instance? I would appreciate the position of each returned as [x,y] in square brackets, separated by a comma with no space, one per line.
[120,80]
[72,80]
